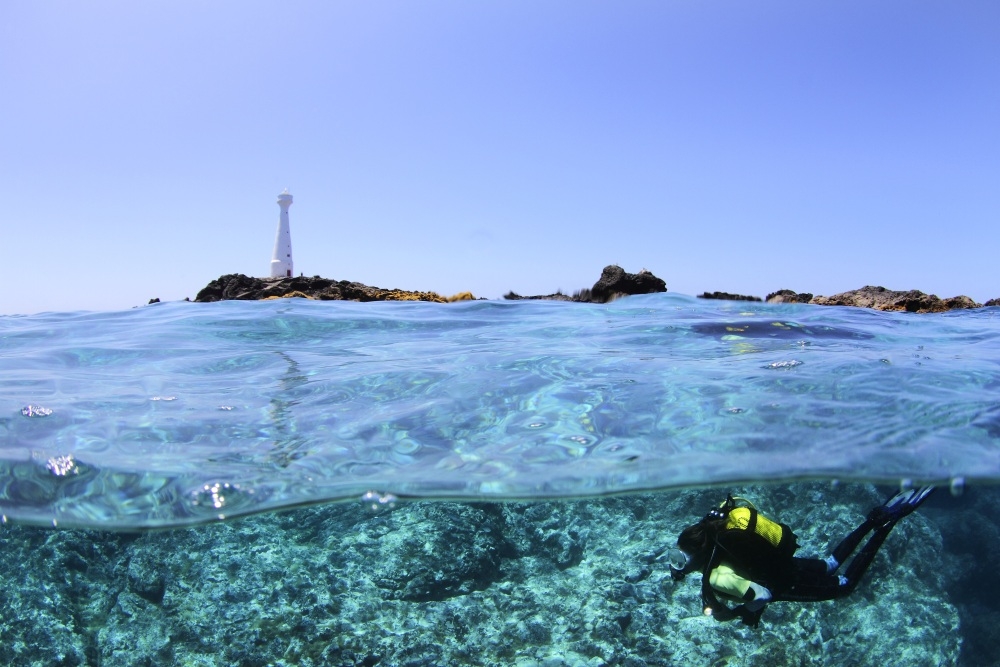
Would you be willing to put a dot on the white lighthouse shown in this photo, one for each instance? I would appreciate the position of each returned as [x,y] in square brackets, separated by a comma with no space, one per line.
[281,260]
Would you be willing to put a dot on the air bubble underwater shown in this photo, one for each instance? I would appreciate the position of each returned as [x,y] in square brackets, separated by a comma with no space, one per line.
[377,502]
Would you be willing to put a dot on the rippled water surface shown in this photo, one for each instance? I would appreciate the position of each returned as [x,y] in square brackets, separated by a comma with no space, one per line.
[182,413]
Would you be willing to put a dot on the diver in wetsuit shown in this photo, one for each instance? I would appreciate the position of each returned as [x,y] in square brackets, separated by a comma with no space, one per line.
[746,558]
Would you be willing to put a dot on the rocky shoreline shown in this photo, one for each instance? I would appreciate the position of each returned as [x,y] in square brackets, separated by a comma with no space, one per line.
[236,286]
[880,298]
[613,283]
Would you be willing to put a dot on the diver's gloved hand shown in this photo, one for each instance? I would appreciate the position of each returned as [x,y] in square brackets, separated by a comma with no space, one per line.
[724,614]
[750,617]
[751,610]
[759,597]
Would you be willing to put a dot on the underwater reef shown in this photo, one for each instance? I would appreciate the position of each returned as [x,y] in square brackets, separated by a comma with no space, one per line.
[445,583]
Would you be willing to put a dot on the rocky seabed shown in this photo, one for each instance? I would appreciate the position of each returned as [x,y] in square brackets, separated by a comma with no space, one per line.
[445,583]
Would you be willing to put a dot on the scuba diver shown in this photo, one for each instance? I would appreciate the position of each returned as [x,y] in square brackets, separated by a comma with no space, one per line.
[748,559]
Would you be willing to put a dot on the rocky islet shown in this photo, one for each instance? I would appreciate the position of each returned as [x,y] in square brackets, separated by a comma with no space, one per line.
[613,283]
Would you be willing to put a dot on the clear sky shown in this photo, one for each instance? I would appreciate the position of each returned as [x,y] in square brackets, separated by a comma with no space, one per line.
[495,146]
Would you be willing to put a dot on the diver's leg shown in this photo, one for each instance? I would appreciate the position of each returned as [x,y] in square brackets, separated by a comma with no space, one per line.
[893,509]
[859,564]
[812,583]
[811,586]
[849,544]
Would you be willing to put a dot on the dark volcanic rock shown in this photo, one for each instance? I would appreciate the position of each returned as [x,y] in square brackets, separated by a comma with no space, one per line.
[558,296]
[613,283]
[788,296]
[726,296]
[240,287]
[992,302]
[881,298]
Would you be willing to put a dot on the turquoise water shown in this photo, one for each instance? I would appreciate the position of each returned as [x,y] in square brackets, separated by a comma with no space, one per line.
[182,413]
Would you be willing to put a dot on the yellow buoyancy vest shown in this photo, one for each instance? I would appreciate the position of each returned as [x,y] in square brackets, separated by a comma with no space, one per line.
[741,518]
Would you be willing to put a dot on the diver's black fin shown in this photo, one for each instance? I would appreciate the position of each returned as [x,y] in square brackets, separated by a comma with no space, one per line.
[901,504]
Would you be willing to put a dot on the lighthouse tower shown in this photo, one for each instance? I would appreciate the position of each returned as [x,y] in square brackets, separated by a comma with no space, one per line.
[281,260]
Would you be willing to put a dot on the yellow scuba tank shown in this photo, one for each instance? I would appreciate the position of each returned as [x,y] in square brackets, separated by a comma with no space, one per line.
[746,517]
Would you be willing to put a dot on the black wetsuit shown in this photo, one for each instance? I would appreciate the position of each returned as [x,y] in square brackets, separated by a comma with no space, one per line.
[787,577]
[813,583]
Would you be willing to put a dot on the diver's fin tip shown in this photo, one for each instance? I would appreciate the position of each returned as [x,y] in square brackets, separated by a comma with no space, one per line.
[920,496]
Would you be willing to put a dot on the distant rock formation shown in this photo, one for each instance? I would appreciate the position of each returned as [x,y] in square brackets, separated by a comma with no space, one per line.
[876,298]
[236,286]
[788,296]
[880,298]
[558,296]
[613,283]
[726,296]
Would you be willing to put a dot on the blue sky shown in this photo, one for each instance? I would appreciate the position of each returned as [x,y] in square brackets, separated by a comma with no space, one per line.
[495,146]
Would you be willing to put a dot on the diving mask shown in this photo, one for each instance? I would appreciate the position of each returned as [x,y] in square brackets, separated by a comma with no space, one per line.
[678,559]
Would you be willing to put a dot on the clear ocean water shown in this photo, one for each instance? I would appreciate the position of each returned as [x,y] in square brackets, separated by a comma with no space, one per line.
[183,413]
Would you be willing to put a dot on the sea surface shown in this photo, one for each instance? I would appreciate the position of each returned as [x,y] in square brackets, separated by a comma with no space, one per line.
[181,413]
[485,483]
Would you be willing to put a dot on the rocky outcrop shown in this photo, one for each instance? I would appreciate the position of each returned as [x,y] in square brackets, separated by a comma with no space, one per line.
[788,296]
[613,283]
[726,296]
[880,298]
[558,296]
[236,286]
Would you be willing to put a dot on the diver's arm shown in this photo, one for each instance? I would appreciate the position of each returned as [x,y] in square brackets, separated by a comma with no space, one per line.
[723,579]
